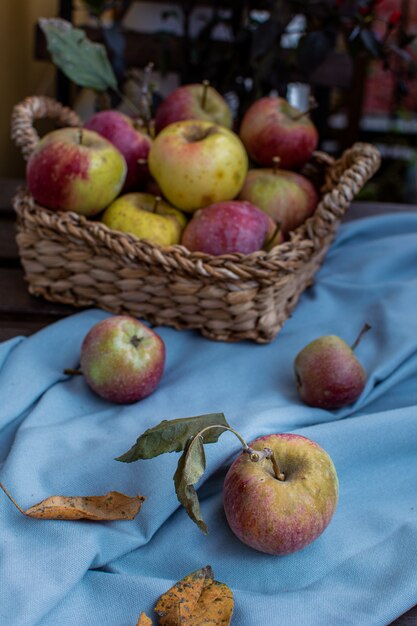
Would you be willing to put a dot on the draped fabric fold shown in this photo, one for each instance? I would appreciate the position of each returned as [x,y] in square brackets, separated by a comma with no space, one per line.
[58,438]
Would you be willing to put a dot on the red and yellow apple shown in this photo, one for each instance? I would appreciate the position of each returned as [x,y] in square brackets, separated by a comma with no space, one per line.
[271,127]
[122,359]
[131,140]
[147,217]
[227,227]
[72,169]
[328,374]
[288,197]
[197,163]
[281,513]
[193,102]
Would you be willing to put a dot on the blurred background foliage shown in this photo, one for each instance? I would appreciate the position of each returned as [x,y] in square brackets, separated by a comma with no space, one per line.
[279,42]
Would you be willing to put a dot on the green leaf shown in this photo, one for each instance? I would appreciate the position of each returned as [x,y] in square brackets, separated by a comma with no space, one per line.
[194,461]
[83,62]
[173,435]
[190,469]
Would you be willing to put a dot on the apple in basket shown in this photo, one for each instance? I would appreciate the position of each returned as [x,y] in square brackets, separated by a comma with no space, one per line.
[227,227]
[193,102]
[279,494]
[288,197]
[122,359]
[72,169]
[271,127]
[197,163]
[132,141]
[147,217]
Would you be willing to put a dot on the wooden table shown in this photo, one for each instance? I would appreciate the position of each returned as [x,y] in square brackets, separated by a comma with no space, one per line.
[23,314]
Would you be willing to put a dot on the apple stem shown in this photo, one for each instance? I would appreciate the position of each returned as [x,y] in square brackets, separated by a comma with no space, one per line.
[258,455]
[312,105]
[80,136]
[156,203]
[254,455]
[206,84]
[12,499]
[276,160]
[73,372]
[364,330]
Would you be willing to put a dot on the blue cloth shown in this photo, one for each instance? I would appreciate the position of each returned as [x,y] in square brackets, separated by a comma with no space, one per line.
[57,437]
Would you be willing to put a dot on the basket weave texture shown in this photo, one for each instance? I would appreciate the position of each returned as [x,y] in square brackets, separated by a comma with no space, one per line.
[70,259]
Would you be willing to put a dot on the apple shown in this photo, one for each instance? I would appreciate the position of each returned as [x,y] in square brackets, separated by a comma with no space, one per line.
[328,373]
[227,227]
[132,141]
[283,502]
[288,197]
[193,102]
[72,169]
[198,163]
[122,359]
[271,127]
[147,217]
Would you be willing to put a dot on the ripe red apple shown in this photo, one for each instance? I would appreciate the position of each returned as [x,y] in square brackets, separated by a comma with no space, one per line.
[227,227]
[328,372]
[197,163]
[271,127]
[193,102]
[288,197]
[281,515]
[72,169]
[131,140]
[122,359]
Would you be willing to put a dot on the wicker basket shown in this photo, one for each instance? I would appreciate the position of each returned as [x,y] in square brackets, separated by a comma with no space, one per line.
[72,260]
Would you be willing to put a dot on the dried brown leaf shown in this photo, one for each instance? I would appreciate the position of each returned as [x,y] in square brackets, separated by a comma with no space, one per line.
[195,600]
[184,593]
[112,506]
[144,620]
[214,607]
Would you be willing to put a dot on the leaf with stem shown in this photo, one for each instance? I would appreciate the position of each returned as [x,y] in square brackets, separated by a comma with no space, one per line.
[112,506]
[173,435]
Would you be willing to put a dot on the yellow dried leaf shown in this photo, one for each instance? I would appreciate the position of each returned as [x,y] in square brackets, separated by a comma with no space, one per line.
[184,593]
[195,600]
[112,506]
[144,620]
[214,607]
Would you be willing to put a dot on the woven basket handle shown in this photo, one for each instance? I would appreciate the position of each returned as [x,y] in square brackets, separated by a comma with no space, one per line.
[345,178]
[34,108]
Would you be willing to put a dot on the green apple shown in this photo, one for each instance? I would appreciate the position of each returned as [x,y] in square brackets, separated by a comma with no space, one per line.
[147,217]
[197,163]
